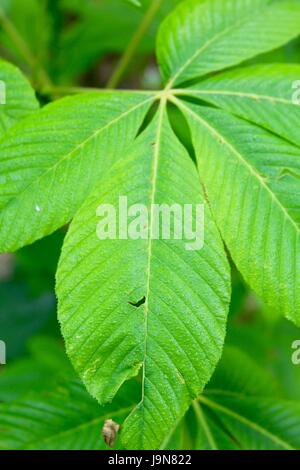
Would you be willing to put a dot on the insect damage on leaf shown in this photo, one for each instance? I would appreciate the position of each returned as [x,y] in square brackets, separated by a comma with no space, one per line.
[139,303]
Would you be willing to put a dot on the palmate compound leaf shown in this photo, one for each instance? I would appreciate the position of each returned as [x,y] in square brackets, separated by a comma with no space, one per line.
[252,179]
[201,37]
[50,161]
[264,94]
[149,304]
[17,98]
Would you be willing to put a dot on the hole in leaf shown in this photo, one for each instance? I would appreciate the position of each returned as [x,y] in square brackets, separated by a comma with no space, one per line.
[139,303]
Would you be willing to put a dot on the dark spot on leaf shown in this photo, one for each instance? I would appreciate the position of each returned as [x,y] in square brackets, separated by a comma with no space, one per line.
[139,303]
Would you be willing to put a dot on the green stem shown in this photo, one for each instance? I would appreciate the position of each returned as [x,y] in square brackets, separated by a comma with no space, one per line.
[24,50]
[133,45]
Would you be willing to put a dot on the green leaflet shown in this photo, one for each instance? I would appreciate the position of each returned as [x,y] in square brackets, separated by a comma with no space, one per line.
[19,97]
[176,335]
[252,181]
[201,36]
[52,160]
[262,94]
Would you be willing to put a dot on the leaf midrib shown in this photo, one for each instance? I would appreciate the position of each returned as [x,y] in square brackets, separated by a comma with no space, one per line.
[253,96]
[204,425]
[152,201]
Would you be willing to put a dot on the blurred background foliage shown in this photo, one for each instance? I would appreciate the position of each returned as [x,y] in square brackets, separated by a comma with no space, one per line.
[63,45]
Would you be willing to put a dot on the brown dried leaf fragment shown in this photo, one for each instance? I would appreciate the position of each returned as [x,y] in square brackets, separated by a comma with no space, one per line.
[110,431]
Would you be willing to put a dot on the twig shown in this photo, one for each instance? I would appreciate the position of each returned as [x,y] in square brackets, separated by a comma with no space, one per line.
[133,45]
